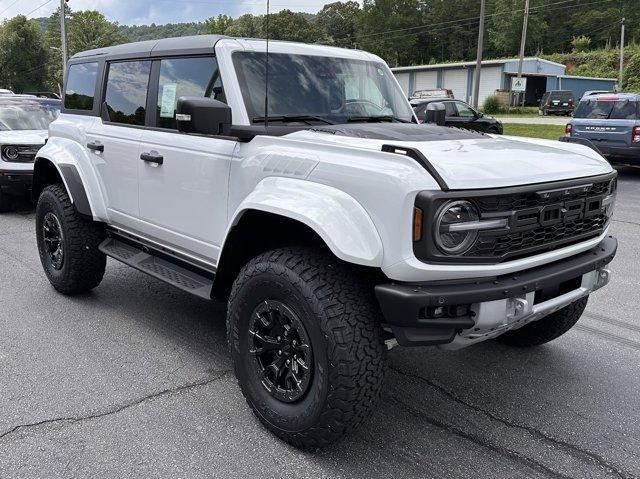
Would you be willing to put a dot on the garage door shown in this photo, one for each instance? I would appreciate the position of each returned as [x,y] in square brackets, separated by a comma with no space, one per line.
[456,80]
[426,80]
[490,81]
[403,79]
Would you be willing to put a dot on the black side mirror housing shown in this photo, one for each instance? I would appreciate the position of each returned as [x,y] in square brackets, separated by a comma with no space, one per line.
[203,116]
[435,113]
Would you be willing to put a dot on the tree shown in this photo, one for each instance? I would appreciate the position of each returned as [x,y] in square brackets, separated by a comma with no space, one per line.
[248,26]
[218,25]
[51,43]
[338,22]
[292,26]
[505,29]
[89,29]
[22,55]
[580,44]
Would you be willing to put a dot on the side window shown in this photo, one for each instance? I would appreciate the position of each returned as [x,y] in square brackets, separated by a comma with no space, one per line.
[421,112]
[464,110]
[126,94]
[185,77]
[450,109]
[81,86]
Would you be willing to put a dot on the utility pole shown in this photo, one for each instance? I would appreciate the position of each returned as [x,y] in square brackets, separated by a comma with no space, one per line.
[621,55]
[63,36]
[476,80]
[523,41]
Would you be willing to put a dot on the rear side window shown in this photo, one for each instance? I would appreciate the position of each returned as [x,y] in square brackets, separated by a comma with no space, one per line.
[624,110]
[81,86]
[185,77]
[126,94]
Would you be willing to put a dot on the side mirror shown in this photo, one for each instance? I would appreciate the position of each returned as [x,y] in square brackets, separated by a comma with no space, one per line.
[435,113]
[203,116]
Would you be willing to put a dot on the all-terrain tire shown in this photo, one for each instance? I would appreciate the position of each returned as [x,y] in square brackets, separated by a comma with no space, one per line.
[546,329]
[82,266]
[342,319]
[5,202]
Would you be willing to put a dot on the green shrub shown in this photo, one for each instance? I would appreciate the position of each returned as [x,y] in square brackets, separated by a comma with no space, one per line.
[581,44]
[493,104]
[632,73]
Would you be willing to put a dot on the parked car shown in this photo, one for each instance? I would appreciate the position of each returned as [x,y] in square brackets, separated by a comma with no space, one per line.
[23,129]
[556,102]
[332,225]
[4,91]
[611,122]
[43,94]
[460,115]
[432,93]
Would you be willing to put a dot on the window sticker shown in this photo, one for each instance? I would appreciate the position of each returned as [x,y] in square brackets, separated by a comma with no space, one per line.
[168,105]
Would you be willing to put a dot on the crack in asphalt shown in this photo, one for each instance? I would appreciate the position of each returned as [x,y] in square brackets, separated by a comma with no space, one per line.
[119,408]
[566,446]
[626,222]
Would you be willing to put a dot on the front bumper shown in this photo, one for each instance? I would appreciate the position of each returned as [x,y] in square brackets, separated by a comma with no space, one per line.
[16,181]
[492,306]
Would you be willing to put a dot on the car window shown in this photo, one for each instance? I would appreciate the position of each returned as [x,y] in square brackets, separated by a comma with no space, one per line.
[126,95]
[464,110]
[450,109]
[81,86]
[624,110]
[186,77]
[421,112]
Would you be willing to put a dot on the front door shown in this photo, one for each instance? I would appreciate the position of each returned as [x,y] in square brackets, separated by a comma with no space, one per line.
[114,139]
[183,196]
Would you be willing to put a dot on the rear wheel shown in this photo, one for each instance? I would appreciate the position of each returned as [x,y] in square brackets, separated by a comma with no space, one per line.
[306,344]
[546,329]
[68,243]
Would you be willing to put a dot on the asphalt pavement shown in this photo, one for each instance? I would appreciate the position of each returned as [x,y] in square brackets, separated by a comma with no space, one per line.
[134,380]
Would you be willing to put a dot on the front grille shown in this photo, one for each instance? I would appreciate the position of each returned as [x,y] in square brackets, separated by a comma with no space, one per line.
[539,218]
[20,153]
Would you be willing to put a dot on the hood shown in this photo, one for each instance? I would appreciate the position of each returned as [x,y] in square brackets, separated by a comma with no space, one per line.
[23,137]
[469,160]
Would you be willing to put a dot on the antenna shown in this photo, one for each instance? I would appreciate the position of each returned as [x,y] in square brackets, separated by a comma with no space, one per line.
[266,76]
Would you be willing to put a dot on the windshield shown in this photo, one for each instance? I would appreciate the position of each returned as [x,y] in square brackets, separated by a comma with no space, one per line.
[332,90]
[607,109]
[27,114]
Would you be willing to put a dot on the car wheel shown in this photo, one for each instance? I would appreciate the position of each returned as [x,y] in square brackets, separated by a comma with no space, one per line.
[5,202]
[306,345]
[545,329]
[493,131]
[68,244]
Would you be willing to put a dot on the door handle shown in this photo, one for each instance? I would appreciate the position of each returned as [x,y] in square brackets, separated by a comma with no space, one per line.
[152,157]
[95,146]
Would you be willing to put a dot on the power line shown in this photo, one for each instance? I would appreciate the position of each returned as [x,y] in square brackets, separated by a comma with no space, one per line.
[10,5]
[38,8]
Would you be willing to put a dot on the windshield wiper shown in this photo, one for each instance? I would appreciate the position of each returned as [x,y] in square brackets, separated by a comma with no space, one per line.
[375,119]
[287,118]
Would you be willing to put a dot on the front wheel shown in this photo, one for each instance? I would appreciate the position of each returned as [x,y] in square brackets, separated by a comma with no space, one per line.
[546,329]
[68,243]
[306,344]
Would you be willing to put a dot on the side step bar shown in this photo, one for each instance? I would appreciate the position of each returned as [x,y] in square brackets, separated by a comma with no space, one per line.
[184,277]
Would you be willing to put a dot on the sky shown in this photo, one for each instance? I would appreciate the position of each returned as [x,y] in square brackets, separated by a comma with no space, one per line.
[131,12]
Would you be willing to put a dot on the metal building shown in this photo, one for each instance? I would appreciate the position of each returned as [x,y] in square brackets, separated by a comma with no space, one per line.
[541,74]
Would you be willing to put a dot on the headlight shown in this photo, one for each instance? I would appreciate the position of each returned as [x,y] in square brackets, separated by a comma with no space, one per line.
[452,234]
[11,153]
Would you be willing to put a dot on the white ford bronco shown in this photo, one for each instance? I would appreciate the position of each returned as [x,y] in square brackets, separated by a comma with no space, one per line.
[297,185]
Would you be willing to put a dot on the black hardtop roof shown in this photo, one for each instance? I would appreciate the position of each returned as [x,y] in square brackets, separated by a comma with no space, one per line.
[192,45]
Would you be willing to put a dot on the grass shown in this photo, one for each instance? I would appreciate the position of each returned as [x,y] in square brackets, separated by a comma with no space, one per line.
[548,132]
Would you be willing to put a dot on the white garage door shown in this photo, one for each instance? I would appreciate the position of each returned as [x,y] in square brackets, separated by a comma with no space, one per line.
[426,80]
[403,79]
[490,81]
[456,80]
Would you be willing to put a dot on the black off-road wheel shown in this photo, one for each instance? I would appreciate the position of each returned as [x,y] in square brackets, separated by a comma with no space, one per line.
[68,243]
[306,344]
[546,329]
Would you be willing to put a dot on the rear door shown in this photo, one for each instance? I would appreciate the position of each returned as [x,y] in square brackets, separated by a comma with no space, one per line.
[460,115]
[114,138]
[607,122]
[183,200]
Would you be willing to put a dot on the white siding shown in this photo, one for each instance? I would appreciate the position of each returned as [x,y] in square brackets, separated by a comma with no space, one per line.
[426,80]
[403,79]
[490,81]
[456,80]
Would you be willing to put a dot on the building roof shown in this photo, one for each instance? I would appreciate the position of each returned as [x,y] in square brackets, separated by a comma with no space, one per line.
[500,61]
[190,45]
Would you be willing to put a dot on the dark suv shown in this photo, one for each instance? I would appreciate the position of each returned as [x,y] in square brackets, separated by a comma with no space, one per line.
[556,102]
[460,115]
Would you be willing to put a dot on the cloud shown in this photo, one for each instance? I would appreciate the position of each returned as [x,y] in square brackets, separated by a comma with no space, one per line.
[131,12]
